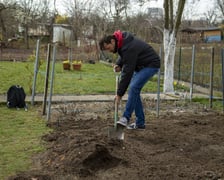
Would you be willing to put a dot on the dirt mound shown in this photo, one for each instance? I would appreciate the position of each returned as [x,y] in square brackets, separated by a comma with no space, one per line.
[100,159]
[185,142]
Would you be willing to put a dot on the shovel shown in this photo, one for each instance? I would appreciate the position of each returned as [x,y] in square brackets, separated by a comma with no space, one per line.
[116,132]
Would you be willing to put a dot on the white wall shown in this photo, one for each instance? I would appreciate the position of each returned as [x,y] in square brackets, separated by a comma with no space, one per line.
[62,35]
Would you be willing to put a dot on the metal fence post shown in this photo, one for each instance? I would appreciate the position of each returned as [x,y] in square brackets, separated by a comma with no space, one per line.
[179,63]
[192,72]
[211,77]
[35,72]
[158,85]
[222,59]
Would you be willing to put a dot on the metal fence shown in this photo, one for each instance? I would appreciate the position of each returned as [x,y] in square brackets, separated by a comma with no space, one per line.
[200,64]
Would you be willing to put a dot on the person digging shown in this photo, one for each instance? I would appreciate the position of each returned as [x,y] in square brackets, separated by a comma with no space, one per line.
[137,62]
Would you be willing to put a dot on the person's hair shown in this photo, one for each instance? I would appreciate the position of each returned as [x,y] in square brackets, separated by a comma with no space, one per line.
[107,40]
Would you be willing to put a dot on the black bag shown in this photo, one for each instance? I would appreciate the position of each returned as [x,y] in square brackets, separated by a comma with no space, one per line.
[16,97]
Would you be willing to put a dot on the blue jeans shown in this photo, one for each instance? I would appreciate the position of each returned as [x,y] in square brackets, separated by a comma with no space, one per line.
[134,102]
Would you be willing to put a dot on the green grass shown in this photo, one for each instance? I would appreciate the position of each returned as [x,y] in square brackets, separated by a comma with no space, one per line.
[20,138]
[217,104]
[92,79]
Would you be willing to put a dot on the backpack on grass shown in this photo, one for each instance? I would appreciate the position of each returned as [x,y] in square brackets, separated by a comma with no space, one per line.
[16,97]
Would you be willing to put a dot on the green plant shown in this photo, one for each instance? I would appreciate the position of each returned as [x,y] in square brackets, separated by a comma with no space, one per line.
[180,86]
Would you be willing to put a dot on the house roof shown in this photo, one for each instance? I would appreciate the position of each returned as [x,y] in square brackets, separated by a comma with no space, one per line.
[199,29]
[66,26]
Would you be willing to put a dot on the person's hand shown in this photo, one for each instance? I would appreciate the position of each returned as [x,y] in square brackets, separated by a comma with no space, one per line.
[116,68]
[117,99]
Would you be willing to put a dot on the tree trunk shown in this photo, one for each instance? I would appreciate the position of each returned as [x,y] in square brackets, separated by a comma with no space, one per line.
[171,26]
[169,53]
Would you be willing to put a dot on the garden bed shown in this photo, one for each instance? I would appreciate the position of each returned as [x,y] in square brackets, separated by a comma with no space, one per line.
[185,142]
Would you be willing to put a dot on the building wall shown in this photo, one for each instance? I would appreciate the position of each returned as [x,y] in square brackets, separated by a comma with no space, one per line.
[61,35]
[213,36]
[185,37]
[212,33]
[155,12]
[200,36]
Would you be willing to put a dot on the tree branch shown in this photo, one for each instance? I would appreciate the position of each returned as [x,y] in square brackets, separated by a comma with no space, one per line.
[179,15]
[171,14]
[166,9]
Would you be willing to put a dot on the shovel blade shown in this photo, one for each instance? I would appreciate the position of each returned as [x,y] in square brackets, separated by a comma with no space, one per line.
[116,133]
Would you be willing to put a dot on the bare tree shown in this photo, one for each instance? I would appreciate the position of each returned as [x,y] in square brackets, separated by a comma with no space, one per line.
[220,5]
[31,12]
[171,26]
[191,10]
[211,17]
[219,10]
[7,20]
[121,7]
[78,11]
[115,12]
[2,8]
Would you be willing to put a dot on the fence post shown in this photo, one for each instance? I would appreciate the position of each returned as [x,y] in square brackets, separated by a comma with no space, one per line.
[51,85]
[222,59]
[35,72]
[211,77]
[46,77]
[192,72]
[158,85]
[179,63]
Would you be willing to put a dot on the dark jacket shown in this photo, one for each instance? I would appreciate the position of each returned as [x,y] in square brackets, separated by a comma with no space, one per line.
[134,55]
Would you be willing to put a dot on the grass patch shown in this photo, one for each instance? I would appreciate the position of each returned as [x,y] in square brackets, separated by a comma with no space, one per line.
[217,104]
[92,79]
[20,138]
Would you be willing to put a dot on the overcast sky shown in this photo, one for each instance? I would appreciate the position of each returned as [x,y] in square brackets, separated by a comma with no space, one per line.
[199,9]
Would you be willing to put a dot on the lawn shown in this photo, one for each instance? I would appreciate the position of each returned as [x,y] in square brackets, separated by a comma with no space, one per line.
[20,138]
[92,79]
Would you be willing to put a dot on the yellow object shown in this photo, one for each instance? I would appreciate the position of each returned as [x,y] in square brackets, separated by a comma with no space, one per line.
[77,62]
[66,62]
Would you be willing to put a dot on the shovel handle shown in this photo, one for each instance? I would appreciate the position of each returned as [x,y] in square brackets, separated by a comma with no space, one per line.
[115,114]
[117,82]
[116,103]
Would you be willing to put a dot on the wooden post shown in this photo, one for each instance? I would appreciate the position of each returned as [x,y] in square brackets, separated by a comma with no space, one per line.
[46,78]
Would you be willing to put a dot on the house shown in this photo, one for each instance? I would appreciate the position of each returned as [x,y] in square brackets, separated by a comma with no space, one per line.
[201,34]
[62,33]
[155,12]
[39,30]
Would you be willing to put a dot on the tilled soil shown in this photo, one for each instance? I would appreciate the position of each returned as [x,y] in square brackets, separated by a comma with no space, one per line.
[185,142]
